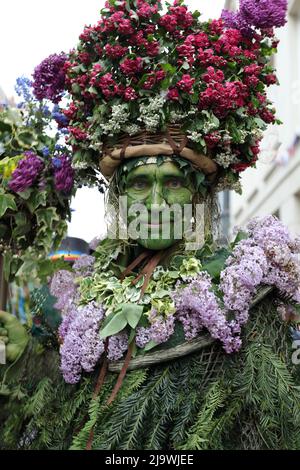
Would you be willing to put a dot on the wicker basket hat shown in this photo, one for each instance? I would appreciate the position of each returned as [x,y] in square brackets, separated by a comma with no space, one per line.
[172,142]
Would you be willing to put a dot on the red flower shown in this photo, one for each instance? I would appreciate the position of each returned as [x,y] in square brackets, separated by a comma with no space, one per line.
[152,48]
[200,40]
[169,22]
[212,139]
[270,79]
[116,51]
[160,75]
[186,83]
[78,133]
[253,69]
[251,81]
[173,94]
[267,116]
[130,94]
[150,82]
[84,57]
[132,66]
[213,76]
[145,10]
[71,112]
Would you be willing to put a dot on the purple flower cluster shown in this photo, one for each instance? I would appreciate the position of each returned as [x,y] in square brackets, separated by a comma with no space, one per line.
[281,251]
[49,78]
[82,347]
[63,174]
[256,13]
[26,173]
[269,256]
[197,307]
[117,345]
[264,13]
[63,287]
[84,266]
[160,331]
[239,281]
[236,21]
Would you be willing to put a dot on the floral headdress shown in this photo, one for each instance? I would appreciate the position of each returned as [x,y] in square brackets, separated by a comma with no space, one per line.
[143,81]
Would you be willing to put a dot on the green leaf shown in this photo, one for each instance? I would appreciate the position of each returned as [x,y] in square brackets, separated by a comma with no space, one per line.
[7,259]
[46,217]
[116,324]
[7,201]
[240,236]
[37,199]
[132,313]
[152,344]
[216,263]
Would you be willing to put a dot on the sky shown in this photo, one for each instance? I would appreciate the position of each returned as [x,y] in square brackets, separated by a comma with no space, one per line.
[33,29]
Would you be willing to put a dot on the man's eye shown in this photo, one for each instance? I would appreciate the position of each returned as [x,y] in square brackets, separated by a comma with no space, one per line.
[139,184]
[174,183]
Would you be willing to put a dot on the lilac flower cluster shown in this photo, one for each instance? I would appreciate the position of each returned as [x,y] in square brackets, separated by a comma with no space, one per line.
[270,257]
[160,331]
[49,78]
[197,307]
[117,345]
[26,173]
[63,174]
[63,287]
[82,347]
[244,273]
[84,266]
[256,13]
[281,251]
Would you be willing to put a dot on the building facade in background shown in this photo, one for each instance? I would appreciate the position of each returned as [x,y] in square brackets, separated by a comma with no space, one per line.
[274,186]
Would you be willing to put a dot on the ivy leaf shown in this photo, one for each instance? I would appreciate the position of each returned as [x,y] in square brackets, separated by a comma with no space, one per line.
[36,200]
[46,217]
[7,201]
[132,313]
[116,324]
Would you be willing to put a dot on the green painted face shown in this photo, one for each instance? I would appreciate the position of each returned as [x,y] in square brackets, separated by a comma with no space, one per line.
[158,188]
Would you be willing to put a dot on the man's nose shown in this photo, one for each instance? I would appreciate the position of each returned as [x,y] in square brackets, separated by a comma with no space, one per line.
[157,196]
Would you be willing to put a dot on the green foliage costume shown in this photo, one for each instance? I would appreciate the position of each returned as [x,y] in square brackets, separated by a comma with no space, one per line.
[204,359]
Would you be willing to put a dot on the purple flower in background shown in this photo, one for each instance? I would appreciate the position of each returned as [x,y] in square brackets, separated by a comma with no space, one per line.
[60,118]
[82,347]
[26,173]
[63,174]
[235,20]
[23,88]
[63,287]
[45,151]
[264,13]
[117,345]
[84,266]
[49,78]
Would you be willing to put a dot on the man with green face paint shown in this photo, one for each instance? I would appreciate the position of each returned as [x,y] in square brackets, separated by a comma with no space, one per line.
[163,191]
